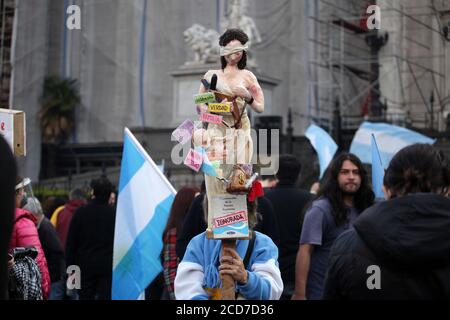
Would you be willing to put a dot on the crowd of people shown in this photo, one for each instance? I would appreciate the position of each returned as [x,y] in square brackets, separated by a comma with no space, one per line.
[38,244]
[302,245]
[319,244]
[323,245]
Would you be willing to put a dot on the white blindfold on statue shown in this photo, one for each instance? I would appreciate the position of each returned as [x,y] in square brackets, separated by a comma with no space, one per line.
[225,51]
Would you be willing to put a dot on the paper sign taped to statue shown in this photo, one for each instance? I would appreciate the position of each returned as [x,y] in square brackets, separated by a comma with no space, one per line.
[211,118]
[12,128]
[184,132]
[204,98]
[220,107]
[229,216]
[194,160]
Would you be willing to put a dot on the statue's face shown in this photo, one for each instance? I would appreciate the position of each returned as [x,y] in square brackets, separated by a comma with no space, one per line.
[234,58]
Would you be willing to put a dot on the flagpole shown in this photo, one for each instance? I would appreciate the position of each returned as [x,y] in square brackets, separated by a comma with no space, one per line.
[149,159]
[378,150]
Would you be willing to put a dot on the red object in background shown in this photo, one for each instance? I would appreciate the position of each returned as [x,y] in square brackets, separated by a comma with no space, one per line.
[256,191]
[363,20]
[366,105]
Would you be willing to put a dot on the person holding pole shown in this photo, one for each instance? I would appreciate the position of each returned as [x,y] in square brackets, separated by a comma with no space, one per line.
[224,139]
[252,265]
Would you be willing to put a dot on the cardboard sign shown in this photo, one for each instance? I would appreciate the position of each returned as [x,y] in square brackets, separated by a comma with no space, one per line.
[12,127]
[202,98]
[184,132]
[220,107]
[229,218]
[211,118]
[194,160]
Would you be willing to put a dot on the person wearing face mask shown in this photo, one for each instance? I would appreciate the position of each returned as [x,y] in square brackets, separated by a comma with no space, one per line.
[25,234]
[399,248]
[52,247]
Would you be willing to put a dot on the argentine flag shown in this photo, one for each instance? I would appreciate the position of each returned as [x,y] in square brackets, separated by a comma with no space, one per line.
[390,139]
[377,170]
[143,206]
[323,144]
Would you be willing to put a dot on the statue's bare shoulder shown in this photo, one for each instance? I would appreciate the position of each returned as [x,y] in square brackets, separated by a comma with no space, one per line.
[250,77]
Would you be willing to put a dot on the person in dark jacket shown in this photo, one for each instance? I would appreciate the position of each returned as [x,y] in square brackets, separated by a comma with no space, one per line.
[7,205]
[90,242]
[52,247]
[399,248]
[288,202]
[77,198]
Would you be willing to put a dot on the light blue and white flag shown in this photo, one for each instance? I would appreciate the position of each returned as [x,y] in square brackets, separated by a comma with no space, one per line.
[377,170]
[161,165]
[390,140]
[323,144]
[143,206]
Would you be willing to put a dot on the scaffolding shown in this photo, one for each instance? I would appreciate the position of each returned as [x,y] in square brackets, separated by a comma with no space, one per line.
[343,69]
[7,11]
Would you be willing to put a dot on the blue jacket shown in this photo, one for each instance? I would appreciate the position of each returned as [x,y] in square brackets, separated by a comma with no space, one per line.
[199,269]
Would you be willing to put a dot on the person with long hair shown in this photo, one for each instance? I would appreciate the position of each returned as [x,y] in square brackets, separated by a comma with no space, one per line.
[180,207]
[344,193]
[399,248]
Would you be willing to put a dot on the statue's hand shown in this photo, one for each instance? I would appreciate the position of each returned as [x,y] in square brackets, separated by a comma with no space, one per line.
[242,92]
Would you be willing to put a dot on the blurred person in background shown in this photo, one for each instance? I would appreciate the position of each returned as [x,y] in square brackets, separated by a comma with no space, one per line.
[90,242]
[268,182]
[7,206]
[52,247]
[399,248]
[25,233]
[288,203]
[61,219]
[180,207]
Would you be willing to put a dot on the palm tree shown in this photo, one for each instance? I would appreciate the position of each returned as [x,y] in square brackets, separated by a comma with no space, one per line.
[59,99]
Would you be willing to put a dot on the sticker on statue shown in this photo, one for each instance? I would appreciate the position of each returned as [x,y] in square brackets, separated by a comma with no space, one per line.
[194,160]
[206,97]
[211,118]
[224,107]
[230,219]
[184,132]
